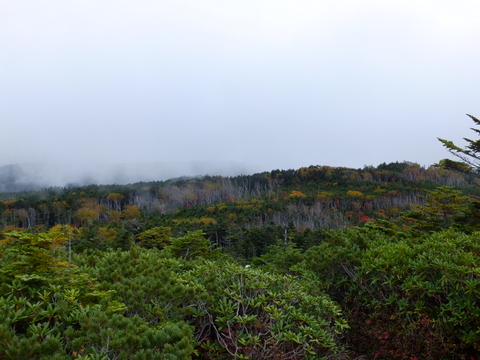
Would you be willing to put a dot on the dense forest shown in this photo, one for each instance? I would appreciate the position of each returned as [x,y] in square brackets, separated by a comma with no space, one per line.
[314,263]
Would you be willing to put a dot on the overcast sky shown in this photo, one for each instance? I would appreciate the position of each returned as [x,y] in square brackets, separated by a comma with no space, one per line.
[264,83]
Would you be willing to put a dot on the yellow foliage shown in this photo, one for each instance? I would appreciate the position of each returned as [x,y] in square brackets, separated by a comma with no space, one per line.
[207,221]
[296,193]
[256,201]
[354,193]
[89,203]
[324,195]
[247,206]
[86,215]
[131,212]
[114,215]
[115,197]
[65,264]
[62,229]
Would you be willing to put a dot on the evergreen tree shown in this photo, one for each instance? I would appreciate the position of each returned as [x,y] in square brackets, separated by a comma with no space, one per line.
[471,153]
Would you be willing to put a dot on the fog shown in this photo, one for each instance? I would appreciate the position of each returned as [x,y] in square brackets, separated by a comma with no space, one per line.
[38,176]
[122,91]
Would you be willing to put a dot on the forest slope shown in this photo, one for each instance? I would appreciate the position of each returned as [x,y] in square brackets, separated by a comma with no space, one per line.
[380,262]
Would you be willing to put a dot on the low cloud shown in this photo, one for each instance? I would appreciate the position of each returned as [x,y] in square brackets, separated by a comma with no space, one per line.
[37,176]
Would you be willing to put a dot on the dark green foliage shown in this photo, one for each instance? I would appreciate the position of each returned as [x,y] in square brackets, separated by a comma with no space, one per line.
[471,153]
[427,281]
[469,221]
[90,239]
[142,280]
[249,243]
[190,246]
[403,296]
[448,164]
[119,337]
[442,206]
[280,258]
[123,238]
[335,260]
[157,237]
[396,166]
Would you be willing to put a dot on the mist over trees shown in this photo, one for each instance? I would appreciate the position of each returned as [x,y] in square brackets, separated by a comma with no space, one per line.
[35,176]
[14,178]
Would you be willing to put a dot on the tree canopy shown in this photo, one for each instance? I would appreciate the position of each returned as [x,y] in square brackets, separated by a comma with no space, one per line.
[470,154]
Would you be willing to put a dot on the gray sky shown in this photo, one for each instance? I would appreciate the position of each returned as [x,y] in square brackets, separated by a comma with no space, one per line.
[267,84]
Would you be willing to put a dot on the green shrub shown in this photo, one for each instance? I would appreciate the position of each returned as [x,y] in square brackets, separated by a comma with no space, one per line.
[50,309]
[403,296]
[248,313]
[431,282]
[157,237]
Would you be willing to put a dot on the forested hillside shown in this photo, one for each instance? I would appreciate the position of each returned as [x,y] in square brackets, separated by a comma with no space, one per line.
[315,197]
[318,262]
